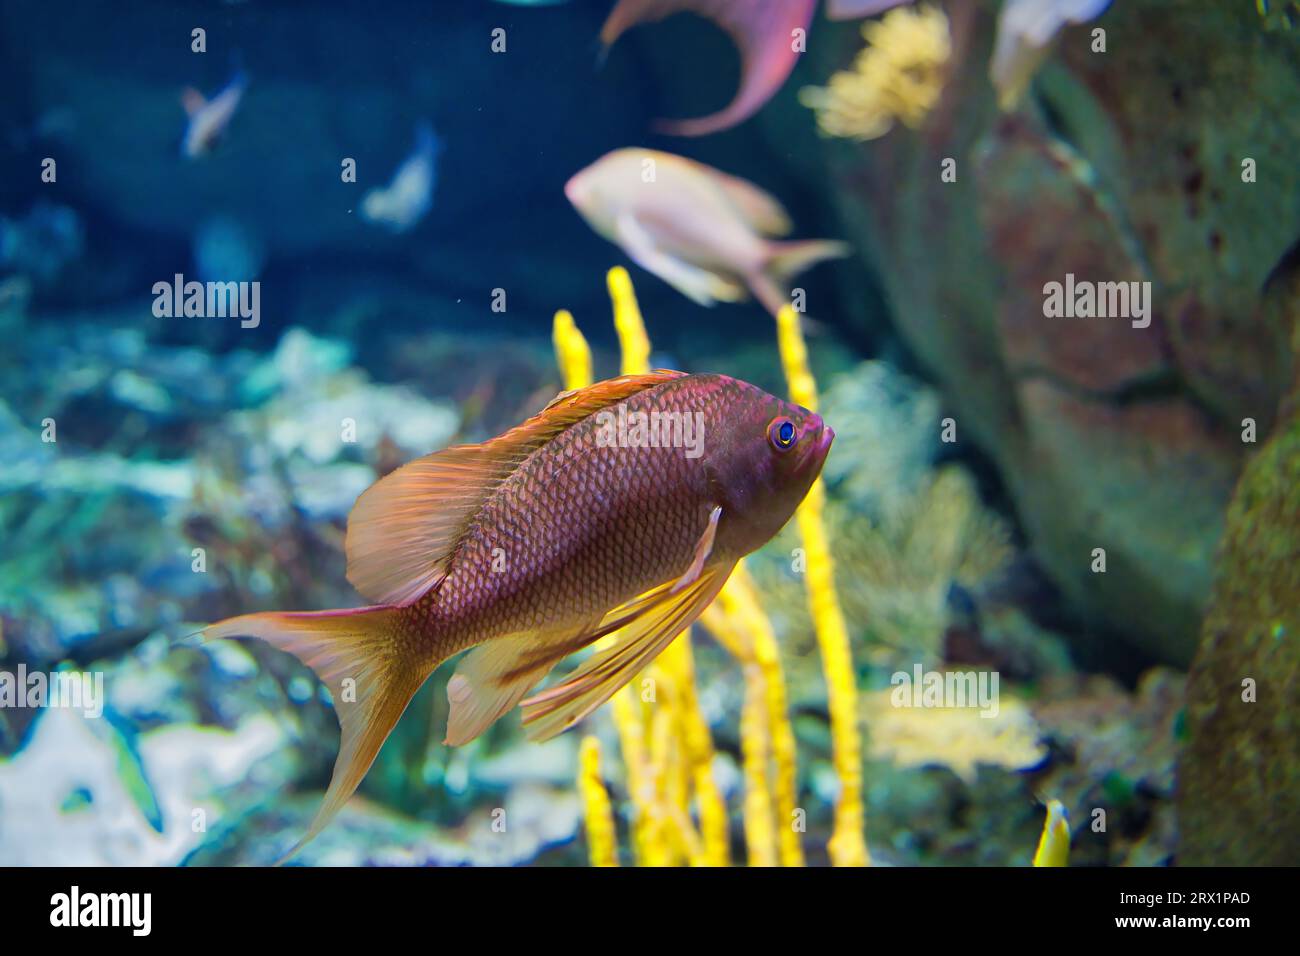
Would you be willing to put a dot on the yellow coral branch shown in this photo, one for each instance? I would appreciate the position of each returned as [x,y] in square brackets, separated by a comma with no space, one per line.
[755,746]
[573,356]
[741,603]
[671,753]
[677,662]
[640,786]
[760,837]
[602,842]
[572,353]
[848,846]
[634,344]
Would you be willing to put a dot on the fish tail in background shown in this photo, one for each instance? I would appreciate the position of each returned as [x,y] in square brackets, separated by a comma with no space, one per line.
[784,261]
[763,31]
[358,646]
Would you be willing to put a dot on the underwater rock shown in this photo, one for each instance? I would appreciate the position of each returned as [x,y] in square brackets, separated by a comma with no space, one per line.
[526,821]
[326,425]
[90,812]
[1114,751]
[1120,433]
[1239,777]
[947,789]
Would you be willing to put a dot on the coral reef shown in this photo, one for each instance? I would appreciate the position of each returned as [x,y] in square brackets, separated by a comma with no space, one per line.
[959,738]
[897,78]
[667,749]
[906,533]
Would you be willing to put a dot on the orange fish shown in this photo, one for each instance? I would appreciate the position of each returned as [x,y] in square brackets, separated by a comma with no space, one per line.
[620,508]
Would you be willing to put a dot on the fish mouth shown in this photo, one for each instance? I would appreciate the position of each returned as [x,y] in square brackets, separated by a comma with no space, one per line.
[824,440]
[819,446]
[572,189]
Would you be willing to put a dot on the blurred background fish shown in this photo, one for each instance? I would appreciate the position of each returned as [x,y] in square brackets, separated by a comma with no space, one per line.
[209,118]
[702,231]
[408,196]
[765,32]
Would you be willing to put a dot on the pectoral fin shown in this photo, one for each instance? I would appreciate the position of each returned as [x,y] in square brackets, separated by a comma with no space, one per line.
[652,621]
[703,548]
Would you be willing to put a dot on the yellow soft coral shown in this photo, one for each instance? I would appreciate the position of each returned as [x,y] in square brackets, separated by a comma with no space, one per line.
[666,747]
[848,845]
[959,738]
[897,77]
[740,604]
[668,752]
[602,845]
[676,661]
[572,353]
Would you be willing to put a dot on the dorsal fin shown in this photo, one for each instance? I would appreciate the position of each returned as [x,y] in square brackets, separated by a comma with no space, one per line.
[757,208]
[404,529]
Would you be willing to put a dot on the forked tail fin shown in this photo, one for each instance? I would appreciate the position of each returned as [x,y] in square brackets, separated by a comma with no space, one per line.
[369,673]
[784,261]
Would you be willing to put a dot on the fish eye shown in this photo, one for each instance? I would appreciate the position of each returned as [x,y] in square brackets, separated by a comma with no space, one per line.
[781,433]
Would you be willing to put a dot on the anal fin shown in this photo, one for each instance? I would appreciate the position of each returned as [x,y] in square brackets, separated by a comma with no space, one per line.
[655,619]
[495,676]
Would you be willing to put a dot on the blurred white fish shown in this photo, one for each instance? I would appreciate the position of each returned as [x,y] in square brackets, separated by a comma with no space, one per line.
[404,201]
[702,231]
[210,117]
[1026,28]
